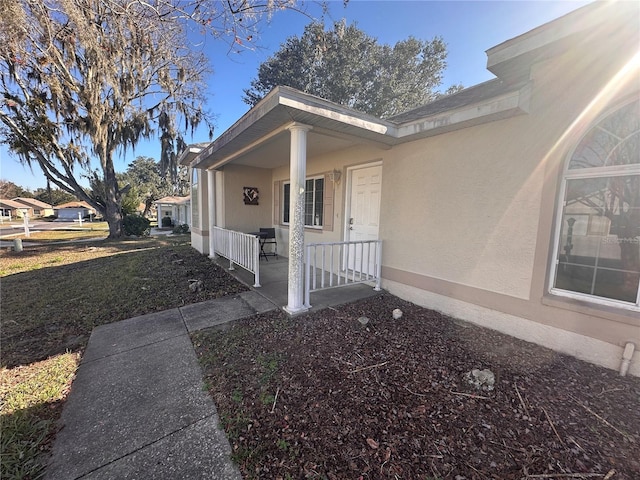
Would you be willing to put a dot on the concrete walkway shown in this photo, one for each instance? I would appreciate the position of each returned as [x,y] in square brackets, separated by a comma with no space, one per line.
[138,410]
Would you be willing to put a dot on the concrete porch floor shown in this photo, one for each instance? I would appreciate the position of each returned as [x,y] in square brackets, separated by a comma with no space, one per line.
[273,281]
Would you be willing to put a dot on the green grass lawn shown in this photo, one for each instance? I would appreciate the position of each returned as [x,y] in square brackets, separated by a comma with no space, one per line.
[53,295]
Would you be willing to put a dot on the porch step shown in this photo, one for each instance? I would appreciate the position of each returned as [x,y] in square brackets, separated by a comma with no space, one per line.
[199,316]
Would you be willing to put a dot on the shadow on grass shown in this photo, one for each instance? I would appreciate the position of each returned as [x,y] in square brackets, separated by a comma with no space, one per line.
[50,308]
[53,296]
[125,244]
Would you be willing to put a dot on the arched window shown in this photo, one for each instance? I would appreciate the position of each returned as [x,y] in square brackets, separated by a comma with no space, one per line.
[195,210]
[597,250]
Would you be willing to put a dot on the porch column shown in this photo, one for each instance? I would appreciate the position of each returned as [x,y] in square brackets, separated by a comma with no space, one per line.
[298,172]
[211,209]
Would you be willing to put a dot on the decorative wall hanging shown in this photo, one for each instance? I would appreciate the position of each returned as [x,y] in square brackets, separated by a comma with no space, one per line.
[250,195]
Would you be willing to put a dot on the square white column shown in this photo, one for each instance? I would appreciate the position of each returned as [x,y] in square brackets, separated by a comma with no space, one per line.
[211,210]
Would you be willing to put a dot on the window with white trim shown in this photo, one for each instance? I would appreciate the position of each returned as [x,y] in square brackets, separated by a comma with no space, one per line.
[313,202]
[597,249]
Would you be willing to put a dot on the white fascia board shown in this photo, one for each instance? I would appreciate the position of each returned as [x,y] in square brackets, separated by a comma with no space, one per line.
[290,98]
[347,117]
[516,101]
[188,155]
[582,19]
[509,103]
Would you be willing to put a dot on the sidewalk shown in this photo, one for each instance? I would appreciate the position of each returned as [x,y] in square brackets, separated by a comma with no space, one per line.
[138,408]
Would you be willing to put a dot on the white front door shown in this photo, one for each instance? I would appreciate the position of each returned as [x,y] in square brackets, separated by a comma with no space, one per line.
[363,217]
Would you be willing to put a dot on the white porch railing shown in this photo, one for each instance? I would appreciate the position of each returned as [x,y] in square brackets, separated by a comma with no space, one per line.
[338,264]
[240,248]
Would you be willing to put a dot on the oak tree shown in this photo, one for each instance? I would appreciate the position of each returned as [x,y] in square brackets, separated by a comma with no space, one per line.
[9,190]
[349,67]
[83,80]
[145,176]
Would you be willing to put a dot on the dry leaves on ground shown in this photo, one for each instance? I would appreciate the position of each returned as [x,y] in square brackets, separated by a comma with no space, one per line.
[322,396]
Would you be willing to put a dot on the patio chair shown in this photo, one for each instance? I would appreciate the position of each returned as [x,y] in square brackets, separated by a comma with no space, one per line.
[269,239]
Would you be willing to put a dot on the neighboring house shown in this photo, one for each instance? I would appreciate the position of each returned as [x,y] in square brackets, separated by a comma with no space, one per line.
[513,204]
[40,209]
[178,209]
[13,209]
[69,212]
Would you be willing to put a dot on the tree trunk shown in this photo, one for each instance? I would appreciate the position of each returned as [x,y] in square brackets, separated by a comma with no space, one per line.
[113,216]
[113,209]
[147,206]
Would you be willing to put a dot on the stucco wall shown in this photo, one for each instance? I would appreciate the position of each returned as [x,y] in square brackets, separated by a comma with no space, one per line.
[478,242]
[237,215]
[72,213]
[199,241]
[463,207]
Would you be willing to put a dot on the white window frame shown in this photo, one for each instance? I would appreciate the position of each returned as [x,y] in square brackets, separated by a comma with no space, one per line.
[579,174]
[314,178]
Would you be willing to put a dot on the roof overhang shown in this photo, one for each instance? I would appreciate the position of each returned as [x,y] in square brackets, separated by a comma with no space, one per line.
[504,105]
[172,201]
[261,136]
[12,204]
[189,154]
[266,124]
[513,58]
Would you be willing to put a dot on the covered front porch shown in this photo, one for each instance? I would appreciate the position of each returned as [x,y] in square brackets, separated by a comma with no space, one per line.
[274,274]
[303,167]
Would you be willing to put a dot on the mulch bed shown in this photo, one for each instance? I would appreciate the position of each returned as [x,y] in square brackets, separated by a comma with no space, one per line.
[322,396]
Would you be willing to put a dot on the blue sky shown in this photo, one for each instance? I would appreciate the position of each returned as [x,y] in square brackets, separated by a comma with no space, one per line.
[468,27]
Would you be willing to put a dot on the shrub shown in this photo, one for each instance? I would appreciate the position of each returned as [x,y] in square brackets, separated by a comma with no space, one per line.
[166,222]
[136,225]
[184,228]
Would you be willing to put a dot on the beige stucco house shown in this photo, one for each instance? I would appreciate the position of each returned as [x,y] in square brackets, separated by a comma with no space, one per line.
[514,204]
[177,208]
[39,209]
[12,209]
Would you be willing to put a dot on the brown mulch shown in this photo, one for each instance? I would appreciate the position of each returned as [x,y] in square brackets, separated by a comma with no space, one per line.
[321,396]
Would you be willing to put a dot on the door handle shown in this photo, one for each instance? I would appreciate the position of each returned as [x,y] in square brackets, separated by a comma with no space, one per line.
[351,221]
